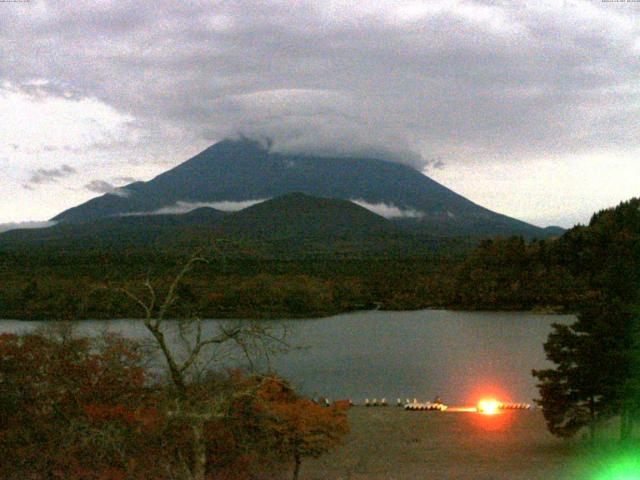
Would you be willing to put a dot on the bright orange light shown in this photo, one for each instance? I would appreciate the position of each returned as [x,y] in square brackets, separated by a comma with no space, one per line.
[488,406]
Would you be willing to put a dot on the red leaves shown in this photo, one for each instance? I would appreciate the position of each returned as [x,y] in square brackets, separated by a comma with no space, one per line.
[296,425]
[70,407]
[110,413]
[74,408]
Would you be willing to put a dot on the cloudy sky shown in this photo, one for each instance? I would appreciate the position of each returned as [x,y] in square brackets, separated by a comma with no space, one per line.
[530,108]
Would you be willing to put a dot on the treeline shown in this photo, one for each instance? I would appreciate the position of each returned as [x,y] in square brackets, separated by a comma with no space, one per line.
[500,274]
[75,285]
[513,275]
[495,274]
[562,273]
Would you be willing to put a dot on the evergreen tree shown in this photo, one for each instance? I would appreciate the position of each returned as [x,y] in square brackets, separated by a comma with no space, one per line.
[597,358]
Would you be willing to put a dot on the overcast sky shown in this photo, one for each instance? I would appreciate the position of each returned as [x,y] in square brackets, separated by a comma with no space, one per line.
[529,108]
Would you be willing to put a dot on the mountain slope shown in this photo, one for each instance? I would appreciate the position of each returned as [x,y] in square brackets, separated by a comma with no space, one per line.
[290,218]
[297,215]
[243,170]
[116,231]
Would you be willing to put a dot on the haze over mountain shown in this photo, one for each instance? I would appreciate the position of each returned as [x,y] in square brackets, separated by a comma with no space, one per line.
[241,172]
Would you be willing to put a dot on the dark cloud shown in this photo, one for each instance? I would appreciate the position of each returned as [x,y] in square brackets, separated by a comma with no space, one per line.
[437,164]
[475,79]
[100,186]
[49,175]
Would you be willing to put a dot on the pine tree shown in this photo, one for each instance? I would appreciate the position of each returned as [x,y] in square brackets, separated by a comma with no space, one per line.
[597,373]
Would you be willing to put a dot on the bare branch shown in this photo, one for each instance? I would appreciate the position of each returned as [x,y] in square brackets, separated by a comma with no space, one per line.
[139,301]
[200,344]
[172,296]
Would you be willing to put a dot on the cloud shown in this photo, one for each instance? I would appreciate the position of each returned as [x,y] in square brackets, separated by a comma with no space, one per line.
[463,79]
[389,210]
[99,186]
[49,175]
[331,135]
[233,206]
[102,186]
[38,120]
[472,81]
[5,227]
[124,179]
[438,165]
[181,207]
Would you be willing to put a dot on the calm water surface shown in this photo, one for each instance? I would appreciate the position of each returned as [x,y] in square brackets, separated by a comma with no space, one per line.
[456,355]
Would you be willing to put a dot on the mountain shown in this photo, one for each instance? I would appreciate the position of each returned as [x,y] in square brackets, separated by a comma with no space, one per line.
[243,170]
[115,231]
[297,215]
[290,218]
[554,231]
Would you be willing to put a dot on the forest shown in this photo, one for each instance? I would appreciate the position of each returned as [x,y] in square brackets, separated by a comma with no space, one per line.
[463,273]
[597,358]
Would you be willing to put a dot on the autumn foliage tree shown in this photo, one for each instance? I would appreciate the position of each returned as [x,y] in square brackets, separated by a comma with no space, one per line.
[293,427]
[86,409]
[72,407]
[184,362]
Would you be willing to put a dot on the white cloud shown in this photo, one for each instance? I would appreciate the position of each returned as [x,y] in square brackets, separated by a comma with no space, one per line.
[319,122]
[389,210]
[33,120]
[181,207]
[5,227]
[585,183]
[48,175]
[231,206]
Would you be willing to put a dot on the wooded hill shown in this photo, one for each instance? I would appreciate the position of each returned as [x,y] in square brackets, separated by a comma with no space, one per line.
[278,277]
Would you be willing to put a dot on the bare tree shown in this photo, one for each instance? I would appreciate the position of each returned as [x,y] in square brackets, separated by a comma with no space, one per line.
[185,360]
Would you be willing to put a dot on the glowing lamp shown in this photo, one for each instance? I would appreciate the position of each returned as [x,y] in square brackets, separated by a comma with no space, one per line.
[488,407]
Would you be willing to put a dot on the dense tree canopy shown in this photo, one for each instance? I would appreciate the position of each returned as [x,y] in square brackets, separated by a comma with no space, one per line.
[597,358]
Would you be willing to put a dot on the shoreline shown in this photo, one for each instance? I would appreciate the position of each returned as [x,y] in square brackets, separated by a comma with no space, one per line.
[316,315]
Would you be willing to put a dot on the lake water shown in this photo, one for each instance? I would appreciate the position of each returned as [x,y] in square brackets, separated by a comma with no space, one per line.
[459,356]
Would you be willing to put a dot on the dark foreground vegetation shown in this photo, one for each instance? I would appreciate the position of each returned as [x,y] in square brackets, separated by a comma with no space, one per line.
[306,277]
[79,408]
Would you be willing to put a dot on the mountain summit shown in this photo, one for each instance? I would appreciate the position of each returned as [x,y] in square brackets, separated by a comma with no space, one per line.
[245,171]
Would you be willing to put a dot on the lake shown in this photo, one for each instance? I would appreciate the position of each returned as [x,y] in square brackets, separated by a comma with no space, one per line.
[459,356]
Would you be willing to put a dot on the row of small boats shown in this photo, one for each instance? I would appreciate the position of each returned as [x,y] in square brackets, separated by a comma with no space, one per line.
[415,405]
[514,406]
[427,406]
[408,404]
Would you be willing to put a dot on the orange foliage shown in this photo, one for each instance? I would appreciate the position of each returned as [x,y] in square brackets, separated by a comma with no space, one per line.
[78,408]
[71,407]
[300,426]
